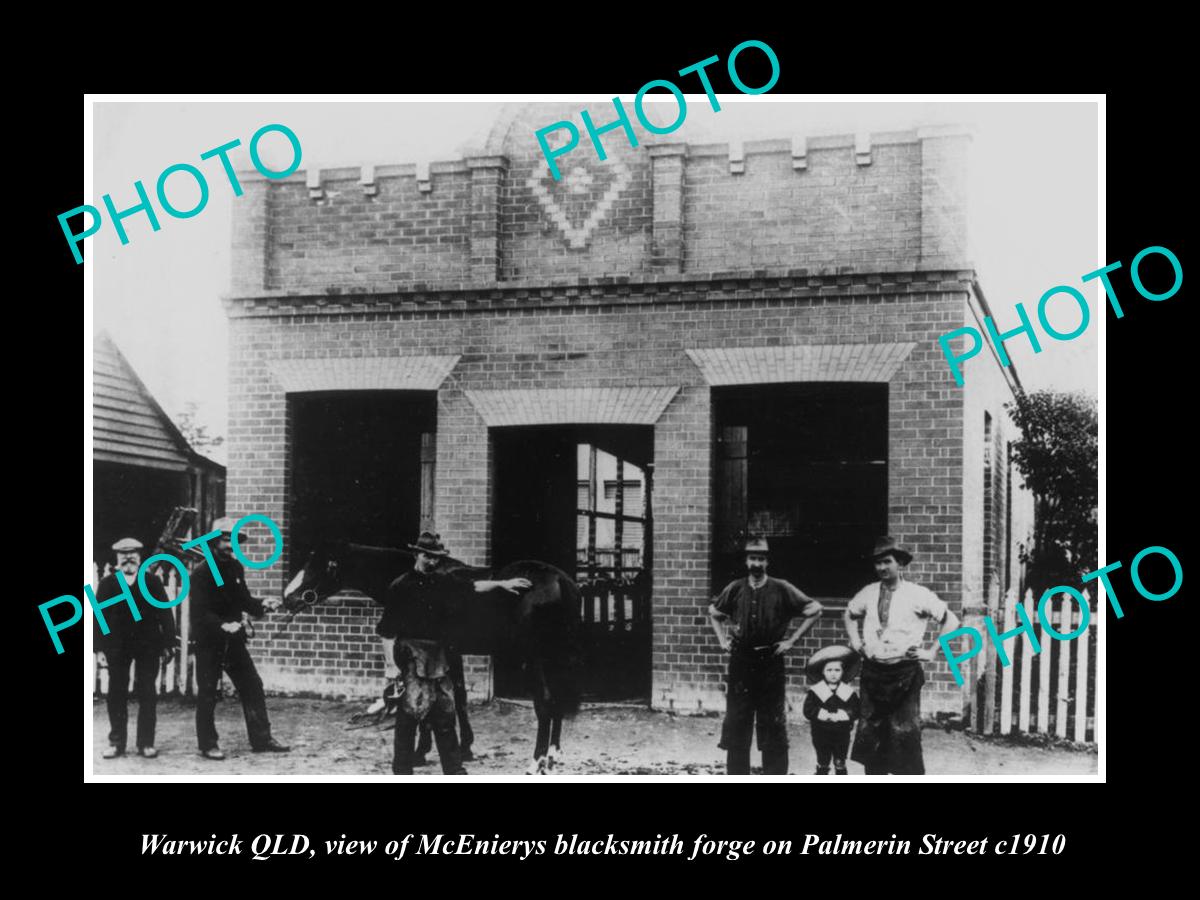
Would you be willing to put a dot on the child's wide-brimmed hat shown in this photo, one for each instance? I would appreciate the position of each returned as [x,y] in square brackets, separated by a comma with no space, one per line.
[849,659]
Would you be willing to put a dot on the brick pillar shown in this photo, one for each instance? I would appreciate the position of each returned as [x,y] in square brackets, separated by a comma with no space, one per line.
[944,197]
[487,178]
[667,164]
[250,232]
[687,664]
[463,492]
[463,483]
[256,451]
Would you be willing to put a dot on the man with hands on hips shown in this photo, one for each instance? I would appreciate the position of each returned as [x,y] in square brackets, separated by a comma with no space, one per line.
[894,614]
[751,619]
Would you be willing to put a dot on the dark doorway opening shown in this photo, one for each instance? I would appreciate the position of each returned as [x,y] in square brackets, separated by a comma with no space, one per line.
[579,497]
[357,471]
[805,465]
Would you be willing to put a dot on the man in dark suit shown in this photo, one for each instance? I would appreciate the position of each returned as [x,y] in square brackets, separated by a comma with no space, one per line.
[219,615]
[140,643]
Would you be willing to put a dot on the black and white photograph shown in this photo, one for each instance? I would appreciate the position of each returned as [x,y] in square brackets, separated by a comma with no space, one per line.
[521,438]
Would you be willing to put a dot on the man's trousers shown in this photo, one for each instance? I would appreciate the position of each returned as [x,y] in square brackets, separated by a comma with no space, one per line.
[756,695]
[888,741]
[145,687]
[232,656]
[440,718]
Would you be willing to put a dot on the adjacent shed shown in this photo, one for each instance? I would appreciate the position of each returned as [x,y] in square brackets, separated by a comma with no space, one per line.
[142,466]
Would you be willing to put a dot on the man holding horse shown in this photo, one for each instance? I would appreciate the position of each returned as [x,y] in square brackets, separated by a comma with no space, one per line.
[221,607]
[421,609]
[751,618]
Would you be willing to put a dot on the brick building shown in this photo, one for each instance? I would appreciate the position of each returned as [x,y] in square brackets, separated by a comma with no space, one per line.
[751,329]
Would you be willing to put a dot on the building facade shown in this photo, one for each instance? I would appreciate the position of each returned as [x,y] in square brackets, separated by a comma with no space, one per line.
[751,329]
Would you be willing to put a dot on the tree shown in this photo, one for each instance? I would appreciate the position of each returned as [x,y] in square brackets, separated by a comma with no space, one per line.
[196,434]
[1057,457]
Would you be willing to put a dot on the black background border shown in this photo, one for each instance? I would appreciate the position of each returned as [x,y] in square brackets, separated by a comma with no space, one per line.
[1146,651]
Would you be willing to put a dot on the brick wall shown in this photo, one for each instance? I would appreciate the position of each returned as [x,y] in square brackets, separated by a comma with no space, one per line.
[399,235]
[605,280]
[986,390]
[835,213]
[635,339]
[664,206]
[988,543]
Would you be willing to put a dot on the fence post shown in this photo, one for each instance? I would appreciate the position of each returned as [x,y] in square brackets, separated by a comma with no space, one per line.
[1066,611]
[1006,674]
[1081,678]
[1026,663]
[175,666]
[167,667]
[1045,668]
[101,675]
[972,618]
[988,664]
[185,673]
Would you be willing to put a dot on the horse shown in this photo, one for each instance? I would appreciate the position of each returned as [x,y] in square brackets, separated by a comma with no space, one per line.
[541,625]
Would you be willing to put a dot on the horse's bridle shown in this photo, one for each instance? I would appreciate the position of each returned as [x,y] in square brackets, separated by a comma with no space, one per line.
[308,599]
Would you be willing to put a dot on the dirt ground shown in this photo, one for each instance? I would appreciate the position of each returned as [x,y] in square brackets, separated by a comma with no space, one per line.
[598,741]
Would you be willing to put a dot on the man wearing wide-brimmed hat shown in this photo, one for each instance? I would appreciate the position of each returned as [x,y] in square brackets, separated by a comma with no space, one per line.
[894,614]
[418,612]
[219,615]
[751,619]
[139,643]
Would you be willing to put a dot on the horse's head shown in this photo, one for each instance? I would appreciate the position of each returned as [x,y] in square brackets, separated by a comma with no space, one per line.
[318,579]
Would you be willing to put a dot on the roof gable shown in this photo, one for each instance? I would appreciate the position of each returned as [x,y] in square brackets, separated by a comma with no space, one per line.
[128,425]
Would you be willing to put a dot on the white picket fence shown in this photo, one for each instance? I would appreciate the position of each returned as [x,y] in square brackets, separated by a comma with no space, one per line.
[178,676]
[1054,691]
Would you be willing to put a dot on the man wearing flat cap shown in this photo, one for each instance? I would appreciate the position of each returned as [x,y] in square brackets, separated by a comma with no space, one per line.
[139,643]
[220,614]
[751,618]
[894,613]
[419,612]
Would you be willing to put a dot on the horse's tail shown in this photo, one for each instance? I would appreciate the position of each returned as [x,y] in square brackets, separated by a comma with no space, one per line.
[550,636]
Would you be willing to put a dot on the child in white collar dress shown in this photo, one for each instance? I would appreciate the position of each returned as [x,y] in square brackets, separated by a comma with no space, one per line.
[832,705]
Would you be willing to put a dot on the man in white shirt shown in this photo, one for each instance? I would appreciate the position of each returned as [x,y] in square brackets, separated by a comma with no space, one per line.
[894,615]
